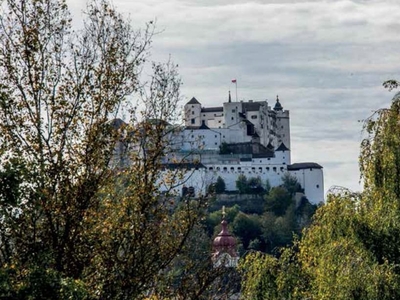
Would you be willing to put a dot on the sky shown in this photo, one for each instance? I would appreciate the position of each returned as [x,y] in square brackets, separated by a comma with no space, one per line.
[326,60]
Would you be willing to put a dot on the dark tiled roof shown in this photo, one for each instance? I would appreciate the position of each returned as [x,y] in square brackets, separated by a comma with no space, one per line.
[193,101]
[305,165]
[264,155]
[184,166]
[245,159]
[251,106]
[204,126]
[278,106]
[117,123]
[282,147]
[212,109]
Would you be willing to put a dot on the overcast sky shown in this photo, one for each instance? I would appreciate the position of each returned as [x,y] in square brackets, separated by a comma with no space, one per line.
[325,59]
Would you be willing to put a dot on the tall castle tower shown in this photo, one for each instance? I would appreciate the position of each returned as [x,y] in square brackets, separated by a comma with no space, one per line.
[193,113]
[282,124]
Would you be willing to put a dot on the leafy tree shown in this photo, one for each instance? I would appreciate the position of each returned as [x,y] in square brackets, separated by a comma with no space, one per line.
[246,227]
[291,184]
[278,200]
[75,222]
[351,250]
[255,185]
[219,185]
[241,184]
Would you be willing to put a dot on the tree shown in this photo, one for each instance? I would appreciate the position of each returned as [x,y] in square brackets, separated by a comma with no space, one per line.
[291,184]
[241,184]
[351,250]
[75,221]
[278,200]
[219,185]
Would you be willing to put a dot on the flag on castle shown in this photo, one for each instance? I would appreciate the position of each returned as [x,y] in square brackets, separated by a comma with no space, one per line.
[233,80]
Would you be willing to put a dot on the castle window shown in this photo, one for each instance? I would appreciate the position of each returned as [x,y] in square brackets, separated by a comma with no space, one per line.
[192,106]
[192,112]
[239,168]
[267,168]
[219,121]
[218,168]
[253,168]
[216,144]
[215,136]
[282,168]
[210,168]
[317,186]
[225,169]
[204,115]
[274,169]
[233,110]
[260,168]
[232,118]
[310,169]
[192,121]
[223,136]
[192,136]
[260,160]
[254,117]
[232,169]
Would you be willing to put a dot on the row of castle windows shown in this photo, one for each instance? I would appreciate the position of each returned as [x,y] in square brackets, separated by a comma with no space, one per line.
[240,168]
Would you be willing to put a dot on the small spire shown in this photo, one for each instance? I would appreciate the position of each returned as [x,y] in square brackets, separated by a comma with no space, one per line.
[278,106]
[223,212]
[229,99]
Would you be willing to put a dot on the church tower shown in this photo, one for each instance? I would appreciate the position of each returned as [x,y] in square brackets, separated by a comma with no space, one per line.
[224,247]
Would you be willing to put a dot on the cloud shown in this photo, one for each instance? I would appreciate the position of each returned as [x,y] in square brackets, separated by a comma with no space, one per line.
[325,59]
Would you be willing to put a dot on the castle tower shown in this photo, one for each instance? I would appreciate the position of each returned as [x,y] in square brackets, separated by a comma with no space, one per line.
[224,247]
[193,113]
[282,124]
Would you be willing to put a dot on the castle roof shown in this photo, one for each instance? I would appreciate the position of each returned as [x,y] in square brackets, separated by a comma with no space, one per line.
[178,166]
[305,165]
[278,106]
[282,147]
[204,126]
[193,101]
[212,109]
[251,106]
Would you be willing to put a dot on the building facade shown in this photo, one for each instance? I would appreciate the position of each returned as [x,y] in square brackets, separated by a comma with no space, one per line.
[246,137]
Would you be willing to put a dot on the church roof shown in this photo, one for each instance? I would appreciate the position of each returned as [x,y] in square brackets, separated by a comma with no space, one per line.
[193,101]
[224,242]
[282,147]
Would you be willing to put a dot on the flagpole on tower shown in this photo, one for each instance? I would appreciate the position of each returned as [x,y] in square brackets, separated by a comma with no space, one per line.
[235,82]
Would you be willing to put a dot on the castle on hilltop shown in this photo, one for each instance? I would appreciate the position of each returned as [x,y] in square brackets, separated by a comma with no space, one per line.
[246,137]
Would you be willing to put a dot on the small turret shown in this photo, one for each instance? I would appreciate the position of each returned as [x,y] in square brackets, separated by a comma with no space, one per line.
[278,106]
